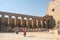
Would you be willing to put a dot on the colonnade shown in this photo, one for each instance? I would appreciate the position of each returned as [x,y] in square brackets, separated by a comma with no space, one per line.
[23,21]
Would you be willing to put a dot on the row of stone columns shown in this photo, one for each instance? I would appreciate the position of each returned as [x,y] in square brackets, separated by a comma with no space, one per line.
[35,22]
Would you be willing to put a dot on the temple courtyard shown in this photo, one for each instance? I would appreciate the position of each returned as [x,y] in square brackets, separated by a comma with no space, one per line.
[30,36]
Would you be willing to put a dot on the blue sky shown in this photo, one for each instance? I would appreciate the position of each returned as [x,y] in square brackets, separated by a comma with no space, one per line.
[29,7]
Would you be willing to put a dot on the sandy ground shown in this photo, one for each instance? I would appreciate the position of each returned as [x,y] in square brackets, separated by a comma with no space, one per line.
[29,36]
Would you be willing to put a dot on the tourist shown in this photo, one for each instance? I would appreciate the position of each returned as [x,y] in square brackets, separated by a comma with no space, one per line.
[24,30]
[16,32]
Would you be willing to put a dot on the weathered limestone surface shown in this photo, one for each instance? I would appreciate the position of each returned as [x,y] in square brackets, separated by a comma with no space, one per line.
[54,9]
[29,36]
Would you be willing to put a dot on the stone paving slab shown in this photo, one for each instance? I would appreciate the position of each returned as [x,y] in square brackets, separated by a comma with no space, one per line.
[29,36]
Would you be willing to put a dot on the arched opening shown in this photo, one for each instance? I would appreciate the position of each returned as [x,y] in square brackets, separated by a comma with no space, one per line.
[6,16]
[39,23]
[0,15]
[19,18]
[25,22]
[30,23]
[0,22]
[44,23]
[18,23]
[34,23]
[5,22]
[53,10]
[12,21]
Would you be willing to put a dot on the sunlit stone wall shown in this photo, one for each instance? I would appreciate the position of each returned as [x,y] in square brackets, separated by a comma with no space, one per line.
[54,10]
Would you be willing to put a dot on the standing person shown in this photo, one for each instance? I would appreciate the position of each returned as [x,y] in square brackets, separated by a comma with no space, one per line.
[24,30]
[17,30]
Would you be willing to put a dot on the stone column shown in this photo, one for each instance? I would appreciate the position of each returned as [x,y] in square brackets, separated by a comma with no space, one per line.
[2,23]
[37,23]
[8,20]
[45,24]
[32,22]
[42,24]
[15,20]
[22,21]
[27,22]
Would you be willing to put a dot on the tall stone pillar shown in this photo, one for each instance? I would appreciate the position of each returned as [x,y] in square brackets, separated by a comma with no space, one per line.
[37,23]
[2,22]
[42,24]
[32,23]
[15,20]
[45,22]
[8,20]
[22,21]
[27,21]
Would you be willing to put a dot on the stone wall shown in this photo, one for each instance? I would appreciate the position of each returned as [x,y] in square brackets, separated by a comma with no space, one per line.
[13,21]
[54,10]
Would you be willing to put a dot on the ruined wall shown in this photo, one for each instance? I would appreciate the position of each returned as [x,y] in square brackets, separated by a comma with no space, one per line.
[54,10]
[11,21]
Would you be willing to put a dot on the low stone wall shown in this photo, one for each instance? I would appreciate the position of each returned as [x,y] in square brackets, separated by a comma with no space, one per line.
[27,29]
[33,29]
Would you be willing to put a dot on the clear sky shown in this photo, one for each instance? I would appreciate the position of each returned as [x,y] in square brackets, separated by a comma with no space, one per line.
[29,7]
